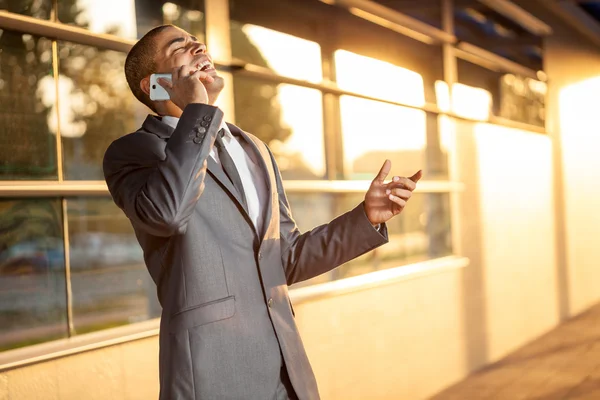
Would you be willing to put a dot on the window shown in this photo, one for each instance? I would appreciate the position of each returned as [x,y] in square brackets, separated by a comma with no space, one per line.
[32,272]
[478,24]
[96,107]
[289,119]
[427,11]
[27,115]
[109,280]
[513,97]
[421,232]
[131,19]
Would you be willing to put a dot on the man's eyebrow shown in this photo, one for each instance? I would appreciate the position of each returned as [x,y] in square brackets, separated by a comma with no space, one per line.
[173,41]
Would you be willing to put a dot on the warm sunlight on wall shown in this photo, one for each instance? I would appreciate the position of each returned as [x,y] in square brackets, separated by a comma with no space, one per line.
[285,54]
[376,78]
[579,114]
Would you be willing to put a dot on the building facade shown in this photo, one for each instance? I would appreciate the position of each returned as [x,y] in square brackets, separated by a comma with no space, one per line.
[487,97]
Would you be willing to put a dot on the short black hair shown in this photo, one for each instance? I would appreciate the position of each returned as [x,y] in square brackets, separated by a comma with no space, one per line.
[140,63]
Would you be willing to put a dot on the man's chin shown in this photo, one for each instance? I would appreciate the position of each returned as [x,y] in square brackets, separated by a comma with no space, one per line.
[217,85]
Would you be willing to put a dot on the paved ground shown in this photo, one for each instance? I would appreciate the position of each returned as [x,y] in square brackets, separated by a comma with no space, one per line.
[562,365]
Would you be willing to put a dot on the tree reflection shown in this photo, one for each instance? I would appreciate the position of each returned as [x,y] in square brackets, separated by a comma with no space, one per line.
[27,150]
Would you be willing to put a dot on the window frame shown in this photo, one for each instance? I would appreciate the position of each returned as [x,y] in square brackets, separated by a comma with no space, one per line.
[217,33]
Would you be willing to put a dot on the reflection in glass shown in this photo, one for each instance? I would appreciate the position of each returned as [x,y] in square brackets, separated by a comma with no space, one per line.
[379,79]
[186,14]
[32,273]
[284,54]
[373,131]
[27,98]
[115,17]
[289,119]
[510,96]
[96,107]
[32,8]
[420,232]
[110,283]
[477,23]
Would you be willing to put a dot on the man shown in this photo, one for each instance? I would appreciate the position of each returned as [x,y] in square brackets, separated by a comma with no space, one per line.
[208,208]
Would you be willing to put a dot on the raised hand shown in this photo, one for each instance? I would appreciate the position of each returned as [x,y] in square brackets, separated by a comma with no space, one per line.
[186,86]
[385,200]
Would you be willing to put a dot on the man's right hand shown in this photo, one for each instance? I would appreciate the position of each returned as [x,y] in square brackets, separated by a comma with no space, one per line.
[186,86]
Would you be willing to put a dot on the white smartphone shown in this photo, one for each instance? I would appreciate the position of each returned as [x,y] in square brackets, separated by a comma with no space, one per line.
[157,92]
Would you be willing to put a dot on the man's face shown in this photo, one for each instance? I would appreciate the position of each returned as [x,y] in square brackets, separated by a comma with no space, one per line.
[175,47]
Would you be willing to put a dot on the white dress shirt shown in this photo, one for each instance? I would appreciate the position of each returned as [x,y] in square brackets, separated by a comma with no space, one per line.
[252,176]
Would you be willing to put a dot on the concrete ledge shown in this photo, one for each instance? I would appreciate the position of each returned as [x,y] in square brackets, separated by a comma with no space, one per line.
[377,278]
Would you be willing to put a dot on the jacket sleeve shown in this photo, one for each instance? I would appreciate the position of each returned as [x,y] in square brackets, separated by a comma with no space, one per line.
[309,254]
[156,182]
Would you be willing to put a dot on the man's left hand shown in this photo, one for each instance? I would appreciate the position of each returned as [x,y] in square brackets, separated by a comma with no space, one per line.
[385,200]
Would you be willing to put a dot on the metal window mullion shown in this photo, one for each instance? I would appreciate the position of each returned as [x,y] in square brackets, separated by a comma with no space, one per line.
[60,173]
[59,31]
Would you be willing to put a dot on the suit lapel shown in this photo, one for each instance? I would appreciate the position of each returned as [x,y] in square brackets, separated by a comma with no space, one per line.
[155,125]
[264,161]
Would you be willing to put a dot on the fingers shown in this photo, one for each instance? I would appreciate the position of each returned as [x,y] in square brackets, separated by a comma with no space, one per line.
[415,178]
[402,182]
[384,171]
[202,76]
[167,84]
[404,194]
[397,200]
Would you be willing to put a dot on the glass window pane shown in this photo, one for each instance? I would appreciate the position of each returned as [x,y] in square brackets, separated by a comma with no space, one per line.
[186,14]
[421,232]
[385,81]
[289,119]
[513,97]
[373,131]
[96,107]
[285,39]
[131,19]
[284,54]
[109,280]
[27,107]
[427,11]
[416,63]
[476,23]
[32,272]
[32,8]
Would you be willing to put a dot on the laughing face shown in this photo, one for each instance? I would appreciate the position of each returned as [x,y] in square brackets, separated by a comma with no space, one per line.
[175,47]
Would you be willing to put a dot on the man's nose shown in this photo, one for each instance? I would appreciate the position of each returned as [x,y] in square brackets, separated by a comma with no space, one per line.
[199,48]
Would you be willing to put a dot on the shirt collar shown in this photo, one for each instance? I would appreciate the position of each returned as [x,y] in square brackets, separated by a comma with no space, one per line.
[173,121]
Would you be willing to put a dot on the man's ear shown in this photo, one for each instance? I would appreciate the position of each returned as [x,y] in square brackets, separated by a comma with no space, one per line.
[145,85]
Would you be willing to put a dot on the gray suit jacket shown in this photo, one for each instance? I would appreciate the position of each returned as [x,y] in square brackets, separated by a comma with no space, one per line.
[227,323]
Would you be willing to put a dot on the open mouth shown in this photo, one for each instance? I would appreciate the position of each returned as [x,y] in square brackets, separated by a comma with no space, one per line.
[205,66]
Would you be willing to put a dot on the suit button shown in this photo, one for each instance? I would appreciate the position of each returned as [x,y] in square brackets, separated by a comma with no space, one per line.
[197,140]
[207,118]
[200,130]
[204,123]
[270,302]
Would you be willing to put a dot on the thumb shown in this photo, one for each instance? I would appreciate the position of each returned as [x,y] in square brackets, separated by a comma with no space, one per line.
[416,177]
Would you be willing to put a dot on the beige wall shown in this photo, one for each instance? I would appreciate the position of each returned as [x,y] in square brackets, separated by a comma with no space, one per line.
[122,372]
